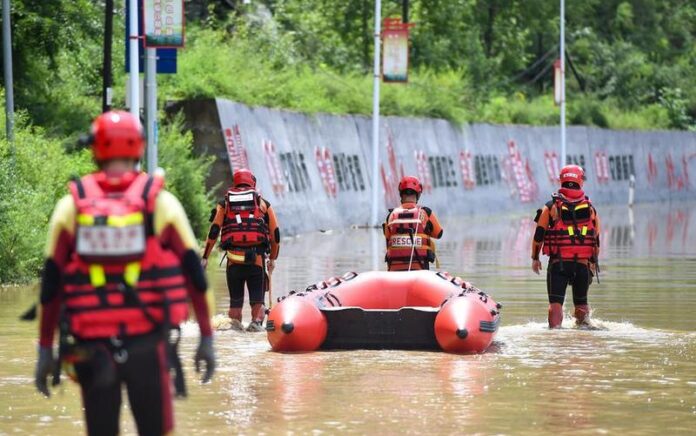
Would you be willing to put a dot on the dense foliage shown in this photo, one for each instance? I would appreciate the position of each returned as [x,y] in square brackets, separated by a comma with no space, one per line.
[185,173]
[634,61]
[32,179]
[35,176]
[57,48]
[627,53]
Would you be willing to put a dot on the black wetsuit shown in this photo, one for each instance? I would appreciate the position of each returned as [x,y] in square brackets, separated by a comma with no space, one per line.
[563,273]
[251,275]
[142,368]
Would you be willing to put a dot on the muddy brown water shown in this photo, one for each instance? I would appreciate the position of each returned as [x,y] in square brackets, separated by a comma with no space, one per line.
[636,376]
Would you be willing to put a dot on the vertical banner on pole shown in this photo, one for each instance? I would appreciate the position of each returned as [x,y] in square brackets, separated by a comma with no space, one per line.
[164,23]
[166,57]
[395,54]
[557,82]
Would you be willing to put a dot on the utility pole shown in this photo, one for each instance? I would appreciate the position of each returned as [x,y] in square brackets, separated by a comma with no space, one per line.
[107,76]
[404,11]
[375,116]
[151,107]
[133,41]
[7,66]
[563,96]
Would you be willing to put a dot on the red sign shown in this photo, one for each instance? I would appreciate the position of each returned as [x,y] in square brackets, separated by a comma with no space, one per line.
[236,151]
[325,165]
[274,168]
[467,167]
[652,169]
[601,167]
[551,163]
[423,170]
[390,180]
[523,177]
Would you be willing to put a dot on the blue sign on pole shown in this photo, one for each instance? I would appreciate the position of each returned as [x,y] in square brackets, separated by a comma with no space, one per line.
[166,57]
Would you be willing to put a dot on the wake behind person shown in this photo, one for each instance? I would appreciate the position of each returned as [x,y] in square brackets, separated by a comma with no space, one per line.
[121,265]
[409,230]
[568,232]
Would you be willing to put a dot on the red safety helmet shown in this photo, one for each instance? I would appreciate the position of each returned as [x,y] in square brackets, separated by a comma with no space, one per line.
[243,177]
[410,182]
[117,134]
[572,173]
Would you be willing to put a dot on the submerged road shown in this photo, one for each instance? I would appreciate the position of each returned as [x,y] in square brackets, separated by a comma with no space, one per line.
[637,375]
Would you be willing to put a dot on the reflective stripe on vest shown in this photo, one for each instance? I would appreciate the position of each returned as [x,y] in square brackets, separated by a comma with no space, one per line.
[407,237]
[244,224]
[572,234]
[110,293]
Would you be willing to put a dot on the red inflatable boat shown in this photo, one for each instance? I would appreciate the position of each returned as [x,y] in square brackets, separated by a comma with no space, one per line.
[379,309]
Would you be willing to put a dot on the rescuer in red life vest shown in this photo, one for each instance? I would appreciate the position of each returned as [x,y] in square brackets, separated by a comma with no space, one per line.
[409,229]
[121,266]
[568,232]
[248,230]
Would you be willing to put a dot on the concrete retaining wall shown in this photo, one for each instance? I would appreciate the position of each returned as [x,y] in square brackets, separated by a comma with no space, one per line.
[316,171]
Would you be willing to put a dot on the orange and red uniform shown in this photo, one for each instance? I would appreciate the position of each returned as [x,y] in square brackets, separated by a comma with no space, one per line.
[564,239]
[568,231]
[237,254]
[248,231]
[408,231]
[121,263]
[116,308]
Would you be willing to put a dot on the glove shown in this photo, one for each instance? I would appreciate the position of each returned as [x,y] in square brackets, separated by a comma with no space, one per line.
[205,353]
[44,367]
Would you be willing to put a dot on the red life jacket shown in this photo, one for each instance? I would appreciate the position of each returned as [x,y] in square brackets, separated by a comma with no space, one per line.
[572,233]
[244,224]
[407,228]
[120,281]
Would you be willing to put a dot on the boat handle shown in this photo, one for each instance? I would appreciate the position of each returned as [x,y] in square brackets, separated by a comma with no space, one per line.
[329,296]
[333,282]
[443,275]
[349,276]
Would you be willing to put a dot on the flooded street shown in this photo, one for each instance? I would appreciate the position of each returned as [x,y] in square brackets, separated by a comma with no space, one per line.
[637,375]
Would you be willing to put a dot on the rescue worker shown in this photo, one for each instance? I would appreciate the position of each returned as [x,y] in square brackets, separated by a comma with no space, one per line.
[409,230]
[121,265]
[568,232]
[248,230]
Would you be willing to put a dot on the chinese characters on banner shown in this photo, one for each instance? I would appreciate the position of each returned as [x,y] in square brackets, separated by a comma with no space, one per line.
[164,23]
[395,50]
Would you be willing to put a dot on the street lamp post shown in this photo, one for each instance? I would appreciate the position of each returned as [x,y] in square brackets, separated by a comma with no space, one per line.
[133,41]
[375,116]
[108,42]
[7,65]
[563,97]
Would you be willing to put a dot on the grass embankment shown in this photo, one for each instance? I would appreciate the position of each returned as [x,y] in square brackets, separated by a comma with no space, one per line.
[254,68]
